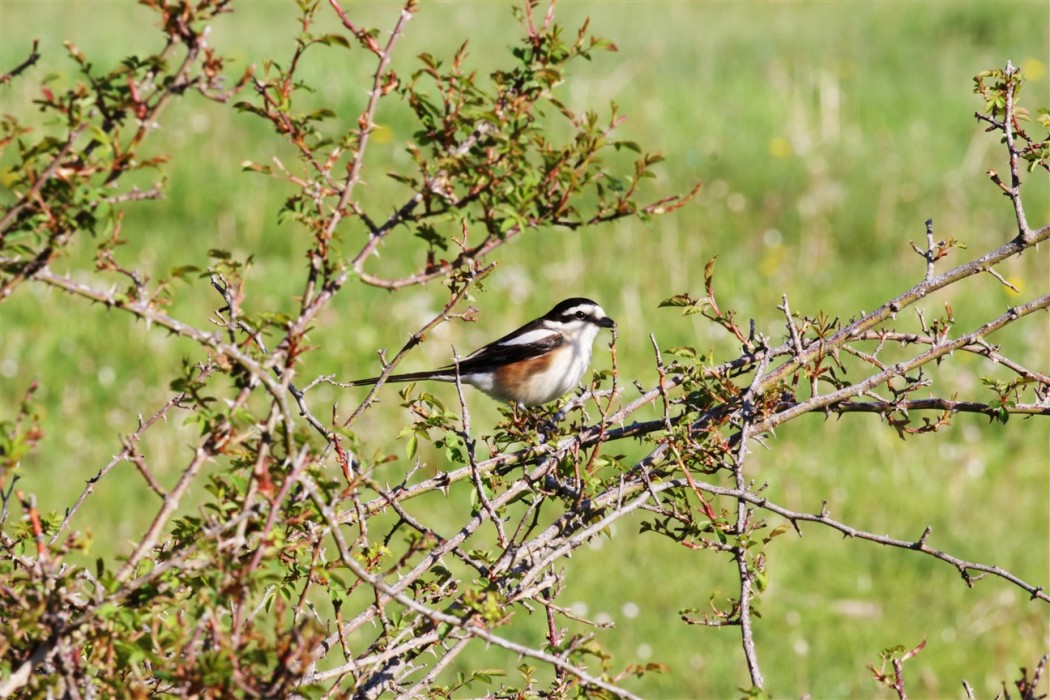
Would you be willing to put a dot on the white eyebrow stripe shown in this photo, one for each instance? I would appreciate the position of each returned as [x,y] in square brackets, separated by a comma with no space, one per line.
[534,336]
[591,311]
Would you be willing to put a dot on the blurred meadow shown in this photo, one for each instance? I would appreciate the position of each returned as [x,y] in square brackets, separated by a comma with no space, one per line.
[825,133]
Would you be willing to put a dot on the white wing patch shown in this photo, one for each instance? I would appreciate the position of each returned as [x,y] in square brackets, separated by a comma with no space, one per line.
[529,337]
[586,308]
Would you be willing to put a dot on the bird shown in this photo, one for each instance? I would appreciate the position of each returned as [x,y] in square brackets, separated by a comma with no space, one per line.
[535,364]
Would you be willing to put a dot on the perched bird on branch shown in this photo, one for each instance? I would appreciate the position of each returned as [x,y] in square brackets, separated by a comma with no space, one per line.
[535,364]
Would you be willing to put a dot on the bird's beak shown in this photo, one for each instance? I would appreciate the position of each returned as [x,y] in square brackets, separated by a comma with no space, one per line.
[607,323]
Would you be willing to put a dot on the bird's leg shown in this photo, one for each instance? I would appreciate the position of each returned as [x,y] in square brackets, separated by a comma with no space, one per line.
[547,425]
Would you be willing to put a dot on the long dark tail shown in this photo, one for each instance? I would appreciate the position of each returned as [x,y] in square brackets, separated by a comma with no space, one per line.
[434,376]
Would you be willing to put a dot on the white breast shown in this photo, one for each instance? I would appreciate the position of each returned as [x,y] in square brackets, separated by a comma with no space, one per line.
[565,371]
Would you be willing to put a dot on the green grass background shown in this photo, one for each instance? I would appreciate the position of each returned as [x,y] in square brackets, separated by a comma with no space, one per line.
[825,134]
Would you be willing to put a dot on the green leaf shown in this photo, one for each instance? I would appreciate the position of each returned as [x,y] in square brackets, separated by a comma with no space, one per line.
[330,39]
[683,351]
[183,271]
[775,532]
[429,234]
[677,300]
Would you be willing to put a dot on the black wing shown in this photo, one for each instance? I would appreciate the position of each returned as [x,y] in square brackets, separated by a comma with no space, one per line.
[485,359]
[496,355]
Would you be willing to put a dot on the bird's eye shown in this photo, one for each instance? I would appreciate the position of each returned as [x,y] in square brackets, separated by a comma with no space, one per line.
[580,315]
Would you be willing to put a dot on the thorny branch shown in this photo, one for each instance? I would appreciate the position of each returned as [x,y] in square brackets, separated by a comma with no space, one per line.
[30,60]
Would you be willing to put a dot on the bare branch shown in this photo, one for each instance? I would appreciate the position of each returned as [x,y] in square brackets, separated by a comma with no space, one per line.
[30,60]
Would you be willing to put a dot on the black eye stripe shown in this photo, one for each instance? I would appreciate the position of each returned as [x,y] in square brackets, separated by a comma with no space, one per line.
[576,313]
